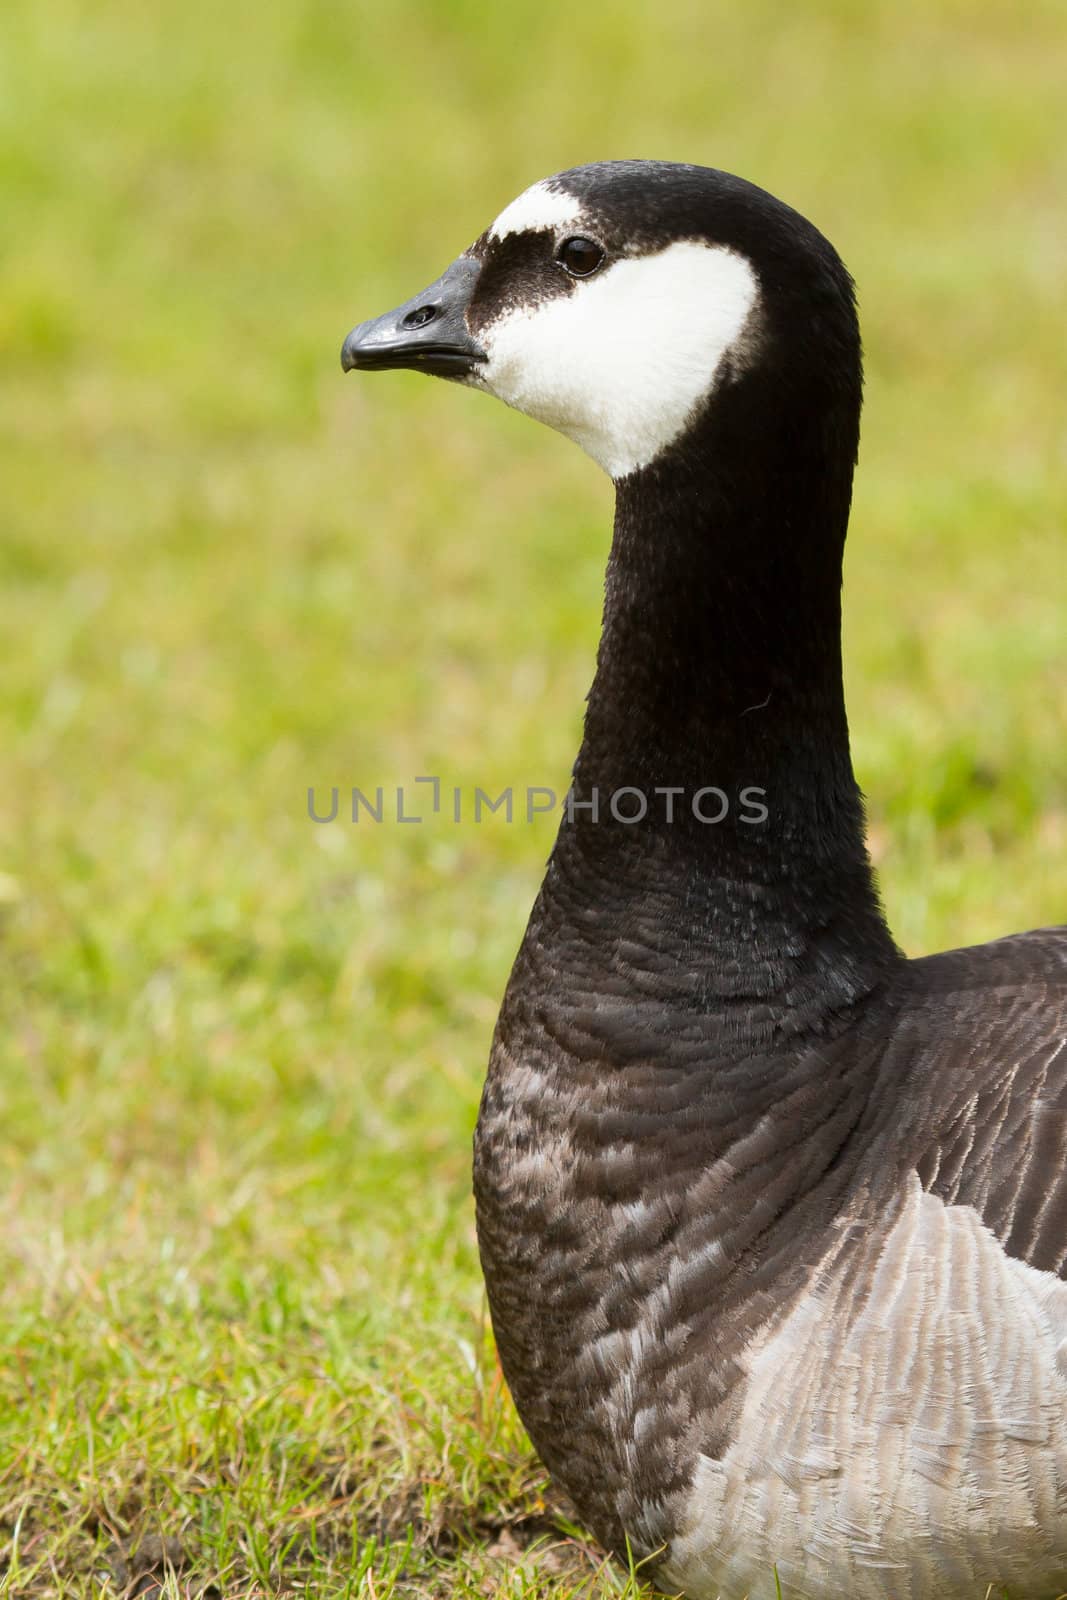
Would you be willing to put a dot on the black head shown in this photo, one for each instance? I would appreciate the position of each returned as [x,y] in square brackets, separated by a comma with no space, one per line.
[613,300]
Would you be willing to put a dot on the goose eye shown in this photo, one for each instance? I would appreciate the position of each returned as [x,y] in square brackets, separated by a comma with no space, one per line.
[580,257]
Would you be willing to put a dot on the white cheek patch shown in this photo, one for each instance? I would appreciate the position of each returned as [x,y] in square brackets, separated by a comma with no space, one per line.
[536,208]
[621,363]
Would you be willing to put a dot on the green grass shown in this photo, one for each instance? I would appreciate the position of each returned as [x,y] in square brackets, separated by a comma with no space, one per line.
[240,1308]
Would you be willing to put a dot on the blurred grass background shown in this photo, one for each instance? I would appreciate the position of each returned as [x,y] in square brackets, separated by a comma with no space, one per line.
[240,1307]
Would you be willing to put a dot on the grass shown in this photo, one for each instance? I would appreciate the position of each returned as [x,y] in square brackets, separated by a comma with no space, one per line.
[242,1329]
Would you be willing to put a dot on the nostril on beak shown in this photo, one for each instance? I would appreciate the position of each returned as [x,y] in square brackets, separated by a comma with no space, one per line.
[420,317]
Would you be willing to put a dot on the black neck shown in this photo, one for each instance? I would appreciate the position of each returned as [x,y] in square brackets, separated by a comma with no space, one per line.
[720,665]
[720,656]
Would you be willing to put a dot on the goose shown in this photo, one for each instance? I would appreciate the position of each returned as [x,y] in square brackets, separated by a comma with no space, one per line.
[773,1220]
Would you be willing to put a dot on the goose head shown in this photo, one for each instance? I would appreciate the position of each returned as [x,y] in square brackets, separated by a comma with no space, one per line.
[615,302]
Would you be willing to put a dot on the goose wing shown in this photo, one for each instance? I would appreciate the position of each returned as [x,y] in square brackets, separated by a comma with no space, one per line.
[997,1093]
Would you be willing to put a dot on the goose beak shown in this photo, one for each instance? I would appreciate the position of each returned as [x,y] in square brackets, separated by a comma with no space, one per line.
[428,333]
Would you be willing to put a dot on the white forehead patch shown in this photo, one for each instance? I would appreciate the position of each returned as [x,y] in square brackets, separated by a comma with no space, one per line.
[537,207]
[621,363]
